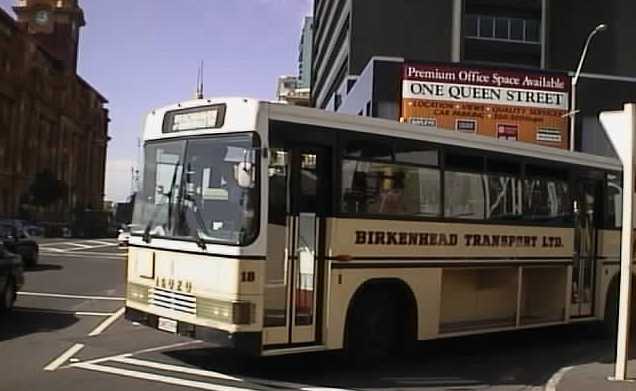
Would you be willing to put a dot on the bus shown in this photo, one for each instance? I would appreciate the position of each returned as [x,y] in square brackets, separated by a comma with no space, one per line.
[274,229]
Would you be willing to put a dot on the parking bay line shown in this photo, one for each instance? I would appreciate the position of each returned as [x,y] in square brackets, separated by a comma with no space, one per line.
[146,350]
[174,368]
[65,296]
[92,247]
[62,312]
[107,322]
[85,255]
[77,244]
[64,357]
[113,243]
[126,358]
[158,378]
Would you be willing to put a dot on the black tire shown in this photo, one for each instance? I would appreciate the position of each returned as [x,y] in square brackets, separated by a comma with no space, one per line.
[373,330]
[33,259]
[610,320]
[7,295]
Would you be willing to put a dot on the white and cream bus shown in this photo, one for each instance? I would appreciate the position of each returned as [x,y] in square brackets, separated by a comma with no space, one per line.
[276,229]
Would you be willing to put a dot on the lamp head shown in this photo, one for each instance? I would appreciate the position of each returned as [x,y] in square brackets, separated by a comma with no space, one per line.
[600,27]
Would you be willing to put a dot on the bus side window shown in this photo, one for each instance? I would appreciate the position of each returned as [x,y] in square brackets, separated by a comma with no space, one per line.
[464,195]
[277,172]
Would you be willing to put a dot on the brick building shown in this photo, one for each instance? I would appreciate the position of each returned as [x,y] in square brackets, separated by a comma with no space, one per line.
[50,118]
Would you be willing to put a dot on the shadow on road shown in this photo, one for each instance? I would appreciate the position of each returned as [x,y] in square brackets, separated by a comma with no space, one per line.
[25,321]
[43,268]
[526,358]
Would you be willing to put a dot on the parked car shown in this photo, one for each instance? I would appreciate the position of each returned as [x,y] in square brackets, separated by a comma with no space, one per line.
[11,278]
[34,231]
[17,240]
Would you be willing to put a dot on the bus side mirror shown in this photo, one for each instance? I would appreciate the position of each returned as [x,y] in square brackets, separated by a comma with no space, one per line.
[244,174]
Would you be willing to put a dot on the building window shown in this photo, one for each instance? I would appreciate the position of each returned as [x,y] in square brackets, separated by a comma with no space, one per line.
[502,28]
[486,27]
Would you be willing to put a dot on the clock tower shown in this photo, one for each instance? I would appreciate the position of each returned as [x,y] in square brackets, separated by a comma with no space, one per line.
[55,24]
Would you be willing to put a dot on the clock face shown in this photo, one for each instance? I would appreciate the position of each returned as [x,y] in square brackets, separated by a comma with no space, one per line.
[41,17]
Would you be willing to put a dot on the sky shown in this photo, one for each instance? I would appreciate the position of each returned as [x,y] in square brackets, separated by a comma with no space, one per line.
[144,54]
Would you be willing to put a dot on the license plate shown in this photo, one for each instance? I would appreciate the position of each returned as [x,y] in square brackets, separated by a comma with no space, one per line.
[168,325]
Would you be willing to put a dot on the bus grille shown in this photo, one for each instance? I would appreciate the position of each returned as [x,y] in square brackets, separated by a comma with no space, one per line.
[173,300]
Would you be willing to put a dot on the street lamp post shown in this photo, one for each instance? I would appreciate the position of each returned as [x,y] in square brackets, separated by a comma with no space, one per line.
[597,29]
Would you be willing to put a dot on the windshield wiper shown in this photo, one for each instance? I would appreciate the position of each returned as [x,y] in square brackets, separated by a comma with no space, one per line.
[199,222]
[146,236]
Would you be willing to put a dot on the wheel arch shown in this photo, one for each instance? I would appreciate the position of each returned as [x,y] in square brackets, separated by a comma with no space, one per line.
[406,301]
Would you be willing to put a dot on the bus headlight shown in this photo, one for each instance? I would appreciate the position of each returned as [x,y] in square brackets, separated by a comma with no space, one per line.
[137,293]
[230,312]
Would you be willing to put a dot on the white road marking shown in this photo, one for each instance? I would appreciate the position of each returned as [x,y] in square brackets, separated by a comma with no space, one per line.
[84,313]
[113,243]
[85,255]
[92,247]
[555,379]
[297,386]
[104,325]
[57,250]
[62,312]
[147,350]
[127,358]
[174,368]
[158,378]
[322,389]
[82,245]
[55,364]
[64,296]
[165,347]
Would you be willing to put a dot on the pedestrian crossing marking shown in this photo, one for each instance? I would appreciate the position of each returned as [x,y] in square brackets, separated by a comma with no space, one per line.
[158,378]
[174,368]
[101,365]
[75,246]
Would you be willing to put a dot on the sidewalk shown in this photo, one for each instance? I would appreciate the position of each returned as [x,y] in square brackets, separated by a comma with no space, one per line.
[593,376]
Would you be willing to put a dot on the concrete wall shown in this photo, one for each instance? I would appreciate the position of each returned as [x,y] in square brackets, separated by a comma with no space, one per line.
[419,29]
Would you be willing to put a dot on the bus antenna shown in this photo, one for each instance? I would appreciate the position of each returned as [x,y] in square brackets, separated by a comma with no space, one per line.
[199,91]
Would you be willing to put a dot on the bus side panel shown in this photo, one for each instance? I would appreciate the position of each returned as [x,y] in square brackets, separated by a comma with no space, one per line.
[484,276]
[424,283]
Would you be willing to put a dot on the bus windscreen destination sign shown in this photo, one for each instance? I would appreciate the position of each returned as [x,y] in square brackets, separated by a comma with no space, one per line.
[207,117]
[497,101]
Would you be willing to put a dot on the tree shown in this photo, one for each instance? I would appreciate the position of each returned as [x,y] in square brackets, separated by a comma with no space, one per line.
[46,189]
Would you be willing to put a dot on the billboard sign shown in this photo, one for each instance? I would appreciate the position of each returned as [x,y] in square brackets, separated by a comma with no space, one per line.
[507,104]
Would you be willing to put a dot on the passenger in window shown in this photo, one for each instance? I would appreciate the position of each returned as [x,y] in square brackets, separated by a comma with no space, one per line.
[391,198]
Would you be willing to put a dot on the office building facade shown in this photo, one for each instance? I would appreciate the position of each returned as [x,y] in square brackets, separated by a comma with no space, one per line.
[535,35]
[304,53]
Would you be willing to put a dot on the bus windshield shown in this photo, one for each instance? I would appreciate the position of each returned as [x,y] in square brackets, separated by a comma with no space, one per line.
[200,189]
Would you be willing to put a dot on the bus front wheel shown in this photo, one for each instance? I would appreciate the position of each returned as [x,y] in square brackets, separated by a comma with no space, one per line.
[373,330]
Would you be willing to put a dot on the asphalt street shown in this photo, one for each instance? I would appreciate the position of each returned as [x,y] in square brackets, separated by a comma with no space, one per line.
[67,333]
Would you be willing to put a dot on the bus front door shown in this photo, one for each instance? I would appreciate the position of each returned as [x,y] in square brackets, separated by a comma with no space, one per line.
[581,302]
[295,245]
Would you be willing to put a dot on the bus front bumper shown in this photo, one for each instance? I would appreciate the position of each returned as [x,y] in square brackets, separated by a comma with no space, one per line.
[243,342]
